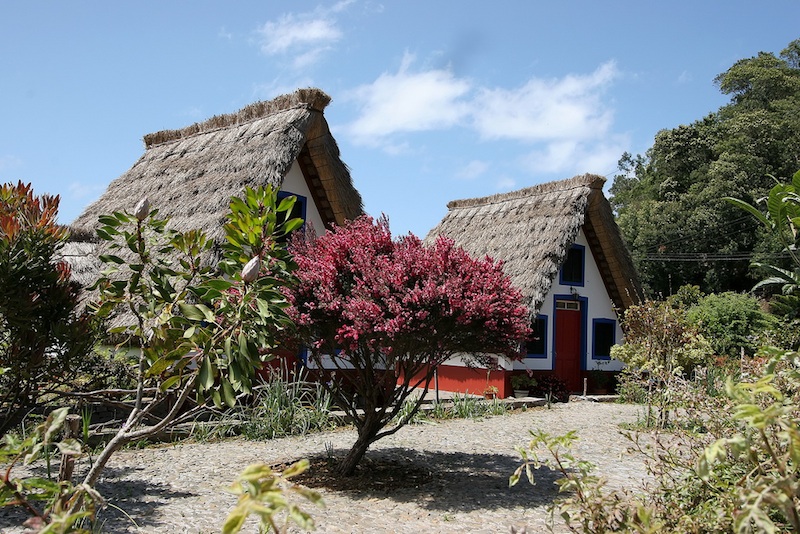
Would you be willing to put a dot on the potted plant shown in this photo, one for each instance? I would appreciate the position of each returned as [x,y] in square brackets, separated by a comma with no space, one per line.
[522,384]
[490,392]
[601,379]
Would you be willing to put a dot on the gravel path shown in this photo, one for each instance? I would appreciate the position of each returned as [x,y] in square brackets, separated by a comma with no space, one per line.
[179,488]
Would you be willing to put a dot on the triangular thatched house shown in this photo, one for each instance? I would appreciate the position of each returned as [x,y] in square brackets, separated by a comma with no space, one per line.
[564,251]
[191,174]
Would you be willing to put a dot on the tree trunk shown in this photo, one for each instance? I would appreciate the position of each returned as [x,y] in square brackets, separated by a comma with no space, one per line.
[366,436]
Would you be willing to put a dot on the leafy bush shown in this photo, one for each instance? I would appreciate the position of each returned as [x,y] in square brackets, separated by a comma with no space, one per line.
[730,322]
[730,465]
[53,505]
[263,492]
[660,349]
[552,387]
[45,342]
[392,310]
[198,330]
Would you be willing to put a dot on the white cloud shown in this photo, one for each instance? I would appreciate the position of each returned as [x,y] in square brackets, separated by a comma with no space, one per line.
[223,33]
[575,157]
[505,183]
[472,170]
[289,32]
[408,102]
[566,122]
[9,162]
[79,191]
[685,77]
[304,36]
[569,108]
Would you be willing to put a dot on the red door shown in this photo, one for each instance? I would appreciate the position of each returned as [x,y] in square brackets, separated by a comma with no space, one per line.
[568,344]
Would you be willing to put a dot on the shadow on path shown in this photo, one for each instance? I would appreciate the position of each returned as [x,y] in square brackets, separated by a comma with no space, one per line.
[434,480]
[138,498]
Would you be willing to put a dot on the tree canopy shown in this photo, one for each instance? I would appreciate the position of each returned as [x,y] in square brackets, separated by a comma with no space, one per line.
[669,201]
[393,310]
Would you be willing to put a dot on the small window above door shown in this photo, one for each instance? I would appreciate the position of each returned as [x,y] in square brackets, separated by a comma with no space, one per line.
[573,269]
[574,305]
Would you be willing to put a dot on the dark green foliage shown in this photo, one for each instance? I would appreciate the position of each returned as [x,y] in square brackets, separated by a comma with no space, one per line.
[730,322]
[669,201]
[552,387]
[44,341]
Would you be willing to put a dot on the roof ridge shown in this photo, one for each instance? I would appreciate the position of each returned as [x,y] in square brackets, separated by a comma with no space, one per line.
[310,98]
[593,181]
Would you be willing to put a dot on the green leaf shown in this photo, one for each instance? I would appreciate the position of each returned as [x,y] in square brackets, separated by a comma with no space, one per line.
[108,220]
[296,468]
[205,378]
[69,446]
[110,258]
[158,367]
[218,284]
[235,521]
[170,382]
[192,312]
[227,393]
[741,204]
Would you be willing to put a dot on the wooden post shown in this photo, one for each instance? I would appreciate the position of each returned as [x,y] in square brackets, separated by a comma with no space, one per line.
[72,428]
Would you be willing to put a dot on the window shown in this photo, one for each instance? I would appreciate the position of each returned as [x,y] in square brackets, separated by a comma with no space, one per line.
[604,334]
[573,268]
[536,346]
[298,211]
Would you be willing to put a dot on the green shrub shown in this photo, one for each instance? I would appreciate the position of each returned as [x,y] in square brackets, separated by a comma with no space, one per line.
[287,407]
[730,322]
[45,341]
[730,464]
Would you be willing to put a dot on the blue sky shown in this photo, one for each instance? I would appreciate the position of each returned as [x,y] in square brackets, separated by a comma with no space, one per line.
[432,100]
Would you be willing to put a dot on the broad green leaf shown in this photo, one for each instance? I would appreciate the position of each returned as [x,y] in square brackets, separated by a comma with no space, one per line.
[205,379]
[170,382]
[741,204]
[233,524]
[192,312]
[296,468]
[227,393]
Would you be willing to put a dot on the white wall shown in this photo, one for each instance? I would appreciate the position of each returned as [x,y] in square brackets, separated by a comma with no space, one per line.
[295,183]
[600,306]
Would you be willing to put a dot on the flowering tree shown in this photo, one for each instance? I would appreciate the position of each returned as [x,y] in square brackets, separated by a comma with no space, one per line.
[43,337]
[392,311]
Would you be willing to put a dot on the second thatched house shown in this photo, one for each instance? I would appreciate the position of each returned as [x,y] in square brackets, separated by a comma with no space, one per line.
[563,250]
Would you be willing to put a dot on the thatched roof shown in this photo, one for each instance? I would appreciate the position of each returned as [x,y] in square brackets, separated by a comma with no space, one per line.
[190,174]
[532,229]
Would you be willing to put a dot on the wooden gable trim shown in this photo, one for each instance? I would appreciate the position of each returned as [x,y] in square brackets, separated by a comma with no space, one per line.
[608,251]
[315,185]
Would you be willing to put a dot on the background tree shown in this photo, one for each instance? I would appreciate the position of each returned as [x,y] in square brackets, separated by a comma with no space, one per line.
[392,311]
[668,201]
[44,341]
